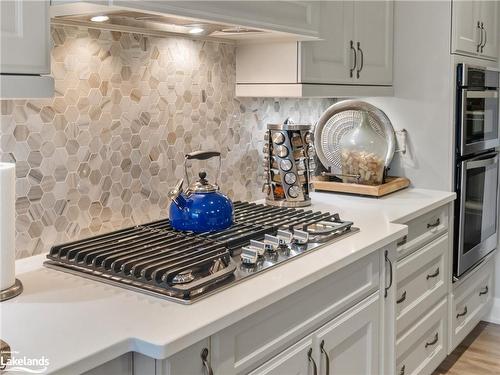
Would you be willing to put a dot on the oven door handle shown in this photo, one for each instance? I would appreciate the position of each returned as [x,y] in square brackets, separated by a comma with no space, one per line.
[482,161]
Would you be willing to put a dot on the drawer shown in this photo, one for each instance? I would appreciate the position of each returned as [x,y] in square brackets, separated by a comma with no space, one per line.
[423,230]
[421,281]
[253,340]
[470,301]
[293,360]
[423,347]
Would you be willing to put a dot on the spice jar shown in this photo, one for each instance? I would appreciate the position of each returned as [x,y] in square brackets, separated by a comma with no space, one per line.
[363,154]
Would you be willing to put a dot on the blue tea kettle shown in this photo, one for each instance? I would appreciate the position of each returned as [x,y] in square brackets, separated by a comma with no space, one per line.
[202,208]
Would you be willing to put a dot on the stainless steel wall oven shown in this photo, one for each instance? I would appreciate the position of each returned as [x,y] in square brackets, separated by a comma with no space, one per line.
[477,166]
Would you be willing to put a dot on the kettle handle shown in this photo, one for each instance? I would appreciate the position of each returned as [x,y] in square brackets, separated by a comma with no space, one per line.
[202,155]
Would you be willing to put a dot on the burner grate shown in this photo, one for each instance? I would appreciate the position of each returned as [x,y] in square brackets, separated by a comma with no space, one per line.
[183,266]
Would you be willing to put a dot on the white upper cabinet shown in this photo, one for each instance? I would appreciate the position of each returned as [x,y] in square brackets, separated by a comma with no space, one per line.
[373,35]
[489,18]
[25,49]
[354,57]
[475,28]
[357,48]
[330,60]
[24,30]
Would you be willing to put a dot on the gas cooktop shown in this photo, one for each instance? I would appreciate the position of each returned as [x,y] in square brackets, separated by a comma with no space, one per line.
[185,267]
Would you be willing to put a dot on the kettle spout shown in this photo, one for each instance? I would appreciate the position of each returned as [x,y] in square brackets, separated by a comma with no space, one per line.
[176,197]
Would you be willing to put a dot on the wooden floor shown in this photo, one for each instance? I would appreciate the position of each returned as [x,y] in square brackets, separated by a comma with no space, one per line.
[478,354]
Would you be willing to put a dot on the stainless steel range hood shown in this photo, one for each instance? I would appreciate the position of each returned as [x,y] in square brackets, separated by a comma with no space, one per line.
[194,19]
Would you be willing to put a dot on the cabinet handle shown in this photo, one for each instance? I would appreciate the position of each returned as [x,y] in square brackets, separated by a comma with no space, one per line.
[433,342]
[206,364]
[462,313]
[390,273]
[481,34]
[362,60]
[485,37]
[432,275]
[323,351]
[485,291]
[351,71]
[311,359]
[402,299]
[402,371]
[435,224]
[402,241]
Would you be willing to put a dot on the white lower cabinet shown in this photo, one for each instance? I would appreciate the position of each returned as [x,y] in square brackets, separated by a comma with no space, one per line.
[247,344]
[123,365]
[349,344]
[470,301]
[423,346]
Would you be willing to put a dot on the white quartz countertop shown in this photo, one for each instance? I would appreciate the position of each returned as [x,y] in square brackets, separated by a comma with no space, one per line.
[79,324]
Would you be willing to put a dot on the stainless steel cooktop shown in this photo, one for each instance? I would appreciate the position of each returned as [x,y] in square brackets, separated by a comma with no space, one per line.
[185,267]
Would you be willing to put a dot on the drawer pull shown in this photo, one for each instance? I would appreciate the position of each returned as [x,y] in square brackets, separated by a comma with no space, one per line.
[432,275]
[323,351]
[433,342]
[462,313]
[485,291]
[435,224]
[402,371]
[402,241]
[402,299]
[310,358]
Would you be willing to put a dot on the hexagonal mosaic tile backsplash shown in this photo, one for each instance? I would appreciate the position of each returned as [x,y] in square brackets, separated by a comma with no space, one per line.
[103,153]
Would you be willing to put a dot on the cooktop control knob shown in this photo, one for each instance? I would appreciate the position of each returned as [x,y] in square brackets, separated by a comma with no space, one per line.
[285,237]
[300,237]
[261,247]
[249,255]
[273,242]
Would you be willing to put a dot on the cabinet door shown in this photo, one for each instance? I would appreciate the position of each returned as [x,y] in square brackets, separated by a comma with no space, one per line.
[349,344]
[489,18]
[465,30]
[296,360]
[373,36]
[194,360]
[24,31]
[332,59]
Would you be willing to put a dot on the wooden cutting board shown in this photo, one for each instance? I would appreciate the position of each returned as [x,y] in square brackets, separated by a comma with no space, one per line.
[390,185]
